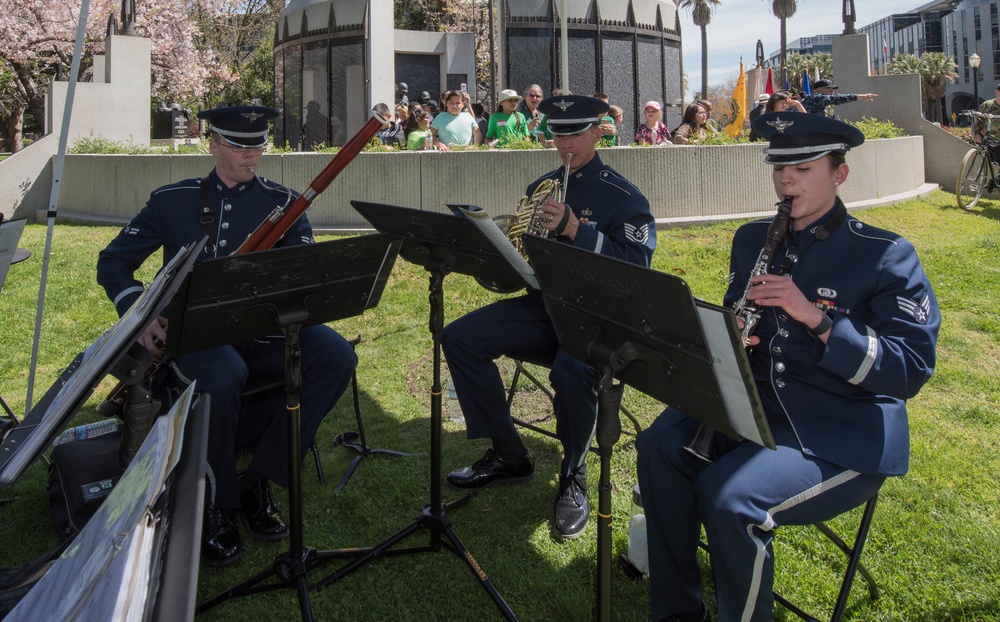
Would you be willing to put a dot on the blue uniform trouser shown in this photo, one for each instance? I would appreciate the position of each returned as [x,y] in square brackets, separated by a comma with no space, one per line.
[328,361]
[740,499]
[518,326]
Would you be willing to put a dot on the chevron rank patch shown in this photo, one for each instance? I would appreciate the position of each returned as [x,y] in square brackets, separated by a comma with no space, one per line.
[637,234]
[919,311]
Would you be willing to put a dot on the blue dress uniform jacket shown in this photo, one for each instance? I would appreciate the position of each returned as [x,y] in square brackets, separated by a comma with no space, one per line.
[615,220]
[846,400]
[172,219]
[837,413]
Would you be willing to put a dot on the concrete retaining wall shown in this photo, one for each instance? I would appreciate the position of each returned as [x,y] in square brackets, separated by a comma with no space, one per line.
[682,183]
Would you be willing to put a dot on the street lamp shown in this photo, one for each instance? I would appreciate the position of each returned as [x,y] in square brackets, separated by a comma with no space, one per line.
[974,63]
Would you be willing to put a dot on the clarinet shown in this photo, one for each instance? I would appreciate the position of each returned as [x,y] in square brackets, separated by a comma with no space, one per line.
[702,446]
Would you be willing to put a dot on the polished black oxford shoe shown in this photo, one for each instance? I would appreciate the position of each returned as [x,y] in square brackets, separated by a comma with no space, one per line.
[695,616]
[261,513]
[220,543]
[490,469]
[572,506]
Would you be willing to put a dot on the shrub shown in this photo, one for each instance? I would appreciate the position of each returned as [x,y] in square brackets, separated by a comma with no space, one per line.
[875,128]
[100,145]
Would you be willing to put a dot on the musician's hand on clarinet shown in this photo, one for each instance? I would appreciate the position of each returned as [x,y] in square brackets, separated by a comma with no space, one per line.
[552,214]
[154,337]
[779,291]
[753,339]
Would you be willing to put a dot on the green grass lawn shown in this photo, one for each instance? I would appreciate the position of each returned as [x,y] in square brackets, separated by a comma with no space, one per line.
[934,543]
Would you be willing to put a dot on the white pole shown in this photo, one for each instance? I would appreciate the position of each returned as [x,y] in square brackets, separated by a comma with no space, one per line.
[57,170]
[564,45]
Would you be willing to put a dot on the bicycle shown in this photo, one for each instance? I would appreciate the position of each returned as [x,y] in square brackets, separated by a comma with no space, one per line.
[980,167]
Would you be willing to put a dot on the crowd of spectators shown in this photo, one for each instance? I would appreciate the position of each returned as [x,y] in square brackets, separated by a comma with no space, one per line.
[454,120]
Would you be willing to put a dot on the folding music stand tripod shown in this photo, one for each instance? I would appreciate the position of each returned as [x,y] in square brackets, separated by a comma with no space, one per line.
[441,243]
[356,440]
[646,329]
[251,295]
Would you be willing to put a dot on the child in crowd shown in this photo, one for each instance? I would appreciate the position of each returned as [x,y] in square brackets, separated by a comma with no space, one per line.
[507,124]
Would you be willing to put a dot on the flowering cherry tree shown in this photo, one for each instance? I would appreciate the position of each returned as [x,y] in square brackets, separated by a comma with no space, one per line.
[38,35]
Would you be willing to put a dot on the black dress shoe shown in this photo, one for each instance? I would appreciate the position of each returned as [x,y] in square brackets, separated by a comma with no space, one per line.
[261,513]
[572,507]
[220,543]
[695,616]
[490,469]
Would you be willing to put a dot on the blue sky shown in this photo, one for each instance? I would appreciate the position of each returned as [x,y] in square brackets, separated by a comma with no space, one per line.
[738,24]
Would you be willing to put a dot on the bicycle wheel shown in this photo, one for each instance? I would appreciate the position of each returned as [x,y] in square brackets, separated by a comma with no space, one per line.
[971,179]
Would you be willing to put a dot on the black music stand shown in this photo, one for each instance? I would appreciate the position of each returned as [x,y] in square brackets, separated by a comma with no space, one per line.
[356,440]
[251,295]
[644,328]
[112,352]
[441,243]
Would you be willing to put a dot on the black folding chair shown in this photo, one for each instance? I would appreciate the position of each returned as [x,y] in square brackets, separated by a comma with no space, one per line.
[854,565]
[519,361]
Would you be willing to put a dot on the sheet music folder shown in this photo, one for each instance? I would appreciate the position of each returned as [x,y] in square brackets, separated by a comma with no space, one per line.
[243,296]
[683,352]
[471,239]
[26,443]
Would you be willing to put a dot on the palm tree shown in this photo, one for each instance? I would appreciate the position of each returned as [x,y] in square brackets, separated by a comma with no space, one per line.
[904,63]
[701,14]
[783,9]
[797,64]
[937,72]
[824,62]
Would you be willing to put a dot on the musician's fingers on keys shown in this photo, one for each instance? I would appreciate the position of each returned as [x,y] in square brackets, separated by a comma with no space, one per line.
[781,291]
[154,336]
[553,213]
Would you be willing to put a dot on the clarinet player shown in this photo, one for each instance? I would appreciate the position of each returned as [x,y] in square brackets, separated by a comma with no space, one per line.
[844,339]
[227,205]
[601,212]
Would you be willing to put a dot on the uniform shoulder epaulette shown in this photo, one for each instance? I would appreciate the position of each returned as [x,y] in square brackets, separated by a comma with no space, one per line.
[187,184]
[863,229]
[612,177]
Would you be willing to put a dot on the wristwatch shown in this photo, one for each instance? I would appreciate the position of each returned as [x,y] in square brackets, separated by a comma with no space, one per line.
[823,327]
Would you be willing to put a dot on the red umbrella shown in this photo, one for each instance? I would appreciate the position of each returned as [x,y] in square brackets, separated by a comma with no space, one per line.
[769,84]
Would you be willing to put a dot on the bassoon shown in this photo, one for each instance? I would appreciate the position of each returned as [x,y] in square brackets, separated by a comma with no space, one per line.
[267,234]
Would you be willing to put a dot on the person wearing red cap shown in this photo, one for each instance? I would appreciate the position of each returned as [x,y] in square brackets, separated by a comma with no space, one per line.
[653,131]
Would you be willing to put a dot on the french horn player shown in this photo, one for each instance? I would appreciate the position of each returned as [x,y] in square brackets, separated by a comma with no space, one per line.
[596,209]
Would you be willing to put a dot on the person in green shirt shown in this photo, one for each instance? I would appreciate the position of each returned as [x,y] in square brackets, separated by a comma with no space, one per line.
[990,106]
[417,140]
[507,124]
[609,127]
